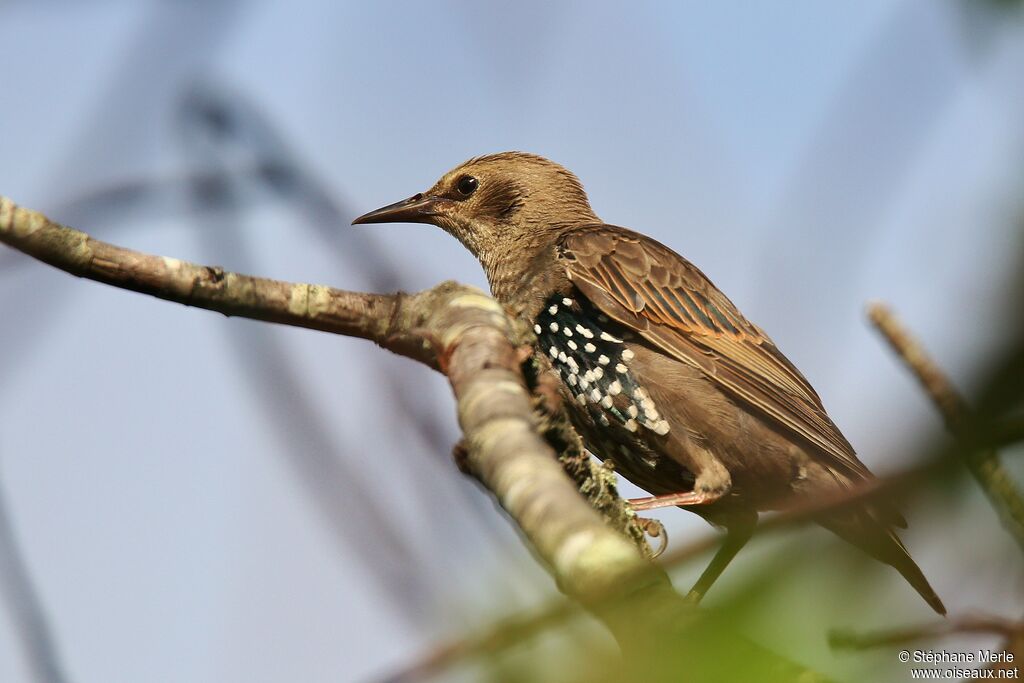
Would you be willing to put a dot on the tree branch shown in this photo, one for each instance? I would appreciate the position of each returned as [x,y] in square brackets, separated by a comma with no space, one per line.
[983,463]
[978,623]
[453,327]
[465,334]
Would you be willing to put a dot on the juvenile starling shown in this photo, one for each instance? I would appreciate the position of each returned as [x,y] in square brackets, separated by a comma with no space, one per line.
[664,375]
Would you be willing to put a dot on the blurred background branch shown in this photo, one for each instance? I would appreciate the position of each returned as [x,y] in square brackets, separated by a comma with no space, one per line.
[27,611]
[983,463]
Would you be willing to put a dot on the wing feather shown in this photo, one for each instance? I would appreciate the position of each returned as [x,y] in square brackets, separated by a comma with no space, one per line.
[671,303]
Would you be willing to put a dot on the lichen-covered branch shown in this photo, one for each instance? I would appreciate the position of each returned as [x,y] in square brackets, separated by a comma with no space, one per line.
[457,328]
[983,463]
[507,453]
[507,446]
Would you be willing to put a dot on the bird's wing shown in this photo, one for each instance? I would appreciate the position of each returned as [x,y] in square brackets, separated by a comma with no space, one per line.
[672,304]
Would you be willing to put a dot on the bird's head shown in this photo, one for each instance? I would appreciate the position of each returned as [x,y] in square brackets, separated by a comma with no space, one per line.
[496,204]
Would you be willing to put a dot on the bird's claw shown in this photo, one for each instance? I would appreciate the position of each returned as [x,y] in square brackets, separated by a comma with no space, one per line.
[654,529]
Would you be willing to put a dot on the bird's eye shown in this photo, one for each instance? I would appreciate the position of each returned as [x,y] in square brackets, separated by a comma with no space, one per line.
[466,185]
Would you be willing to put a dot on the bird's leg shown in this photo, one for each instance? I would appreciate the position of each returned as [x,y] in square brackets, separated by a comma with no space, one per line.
[738,533]
[712,483]
[673,499]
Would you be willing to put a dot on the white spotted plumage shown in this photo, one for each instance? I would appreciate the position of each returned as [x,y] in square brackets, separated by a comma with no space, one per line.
[612,397]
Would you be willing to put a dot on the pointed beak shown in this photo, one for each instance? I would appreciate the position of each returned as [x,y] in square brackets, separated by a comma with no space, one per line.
[418,208]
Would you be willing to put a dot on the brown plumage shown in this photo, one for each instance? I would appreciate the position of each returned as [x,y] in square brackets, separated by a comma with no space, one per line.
[664,375]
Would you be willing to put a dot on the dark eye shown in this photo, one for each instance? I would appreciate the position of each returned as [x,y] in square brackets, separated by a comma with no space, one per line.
[466,185]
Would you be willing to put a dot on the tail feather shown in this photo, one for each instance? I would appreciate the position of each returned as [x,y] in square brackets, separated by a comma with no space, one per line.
[882,543]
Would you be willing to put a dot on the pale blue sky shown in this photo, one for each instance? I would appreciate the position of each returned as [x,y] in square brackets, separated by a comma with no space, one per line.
[193,493]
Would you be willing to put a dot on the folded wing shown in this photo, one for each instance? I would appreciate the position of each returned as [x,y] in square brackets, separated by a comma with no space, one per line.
[671,303]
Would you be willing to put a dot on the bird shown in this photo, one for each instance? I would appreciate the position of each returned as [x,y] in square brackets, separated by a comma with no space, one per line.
[661,372]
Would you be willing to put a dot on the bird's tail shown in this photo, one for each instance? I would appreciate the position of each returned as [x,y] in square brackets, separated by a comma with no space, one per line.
[881,542]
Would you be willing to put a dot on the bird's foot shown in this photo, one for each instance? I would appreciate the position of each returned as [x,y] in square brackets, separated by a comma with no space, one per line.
[654,529]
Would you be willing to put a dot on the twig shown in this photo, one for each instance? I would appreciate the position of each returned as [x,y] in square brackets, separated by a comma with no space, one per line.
[983,463]
[383,319]
[849,640]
